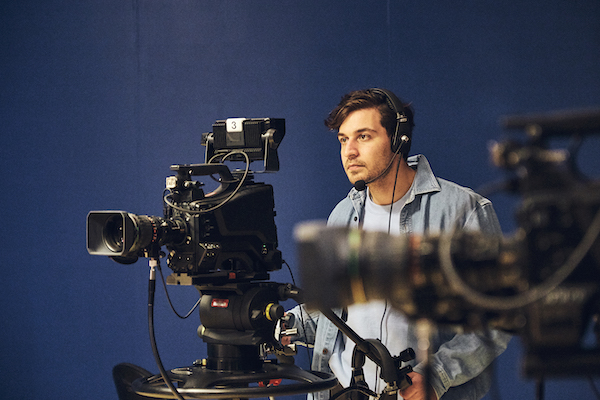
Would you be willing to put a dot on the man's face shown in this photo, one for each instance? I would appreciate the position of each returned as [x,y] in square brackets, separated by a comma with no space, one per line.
[365,145]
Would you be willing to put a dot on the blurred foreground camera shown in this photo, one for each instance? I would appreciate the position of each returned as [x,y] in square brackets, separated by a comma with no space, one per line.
[542,283]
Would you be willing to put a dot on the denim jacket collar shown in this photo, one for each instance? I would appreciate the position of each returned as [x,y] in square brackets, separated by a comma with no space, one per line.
[425,182]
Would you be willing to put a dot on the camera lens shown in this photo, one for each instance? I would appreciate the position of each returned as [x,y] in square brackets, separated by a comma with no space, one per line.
[113,233]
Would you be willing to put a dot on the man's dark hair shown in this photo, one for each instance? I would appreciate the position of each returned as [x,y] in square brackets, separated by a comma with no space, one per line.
[368,98]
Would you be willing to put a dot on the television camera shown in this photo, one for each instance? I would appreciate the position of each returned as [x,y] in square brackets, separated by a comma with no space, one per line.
[542,283]
[225,244]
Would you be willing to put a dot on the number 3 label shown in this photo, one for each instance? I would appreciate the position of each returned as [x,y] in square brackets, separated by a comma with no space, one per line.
[235,124]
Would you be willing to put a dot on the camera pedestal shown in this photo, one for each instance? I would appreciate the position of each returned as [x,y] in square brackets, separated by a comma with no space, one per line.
[237,319]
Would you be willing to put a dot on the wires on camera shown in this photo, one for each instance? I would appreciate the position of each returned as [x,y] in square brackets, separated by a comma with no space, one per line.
[162,278]
[241,181]
[530,296]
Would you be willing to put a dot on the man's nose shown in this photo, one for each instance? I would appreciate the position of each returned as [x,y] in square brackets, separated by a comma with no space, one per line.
[350,149]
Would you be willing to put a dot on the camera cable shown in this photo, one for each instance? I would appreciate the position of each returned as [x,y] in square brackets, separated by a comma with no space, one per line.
[306,345]
[164,284]
[523,299]
[154,263]
[221,204]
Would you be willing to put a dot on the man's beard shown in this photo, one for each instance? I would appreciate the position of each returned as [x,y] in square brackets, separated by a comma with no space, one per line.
[382,172]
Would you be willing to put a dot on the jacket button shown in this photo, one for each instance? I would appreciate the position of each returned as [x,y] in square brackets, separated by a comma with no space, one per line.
[325,351]
[355,218]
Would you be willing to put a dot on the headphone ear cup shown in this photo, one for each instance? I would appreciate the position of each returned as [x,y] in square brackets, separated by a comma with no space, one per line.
[399,144]
[402,137]
[403,127]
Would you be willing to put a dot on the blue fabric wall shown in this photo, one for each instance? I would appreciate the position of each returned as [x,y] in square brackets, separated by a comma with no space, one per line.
[99,98]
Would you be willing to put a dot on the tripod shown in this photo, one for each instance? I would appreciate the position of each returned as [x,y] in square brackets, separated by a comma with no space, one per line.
[237,319]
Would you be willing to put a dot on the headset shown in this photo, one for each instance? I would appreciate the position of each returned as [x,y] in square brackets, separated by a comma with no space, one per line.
[401,137]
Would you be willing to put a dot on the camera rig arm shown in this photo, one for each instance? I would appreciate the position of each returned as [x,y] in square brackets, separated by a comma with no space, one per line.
[395,377]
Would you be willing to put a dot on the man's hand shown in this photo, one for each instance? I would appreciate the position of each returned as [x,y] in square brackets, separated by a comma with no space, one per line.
[285,340]
[417,390]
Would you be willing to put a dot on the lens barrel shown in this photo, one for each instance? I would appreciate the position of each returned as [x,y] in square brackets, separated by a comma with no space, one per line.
[121,234]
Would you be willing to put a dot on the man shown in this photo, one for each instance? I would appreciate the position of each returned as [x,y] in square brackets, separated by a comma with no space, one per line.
[397,194]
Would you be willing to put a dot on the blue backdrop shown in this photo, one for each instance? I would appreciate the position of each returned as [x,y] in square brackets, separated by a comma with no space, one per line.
[99,98]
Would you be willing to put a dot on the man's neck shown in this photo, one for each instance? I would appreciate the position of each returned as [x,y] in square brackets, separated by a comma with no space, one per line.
[383,189]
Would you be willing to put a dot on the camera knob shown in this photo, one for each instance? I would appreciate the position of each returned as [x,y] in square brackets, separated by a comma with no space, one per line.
[274,311]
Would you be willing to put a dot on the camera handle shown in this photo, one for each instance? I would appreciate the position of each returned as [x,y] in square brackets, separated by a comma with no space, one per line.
[186,171]
[204,169]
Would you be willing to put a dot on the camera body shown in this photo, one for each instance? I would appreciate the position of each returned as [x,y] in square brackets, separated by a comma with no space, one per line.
[234,241]
[228,235]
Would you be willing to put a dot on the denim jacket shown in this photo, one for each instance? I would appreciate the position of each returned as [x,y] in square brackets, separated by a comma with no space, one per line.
[460,363]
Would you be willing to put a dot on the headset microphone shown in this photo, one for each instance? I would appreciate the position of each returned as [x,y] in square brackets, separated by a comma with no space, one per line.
[362,184]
